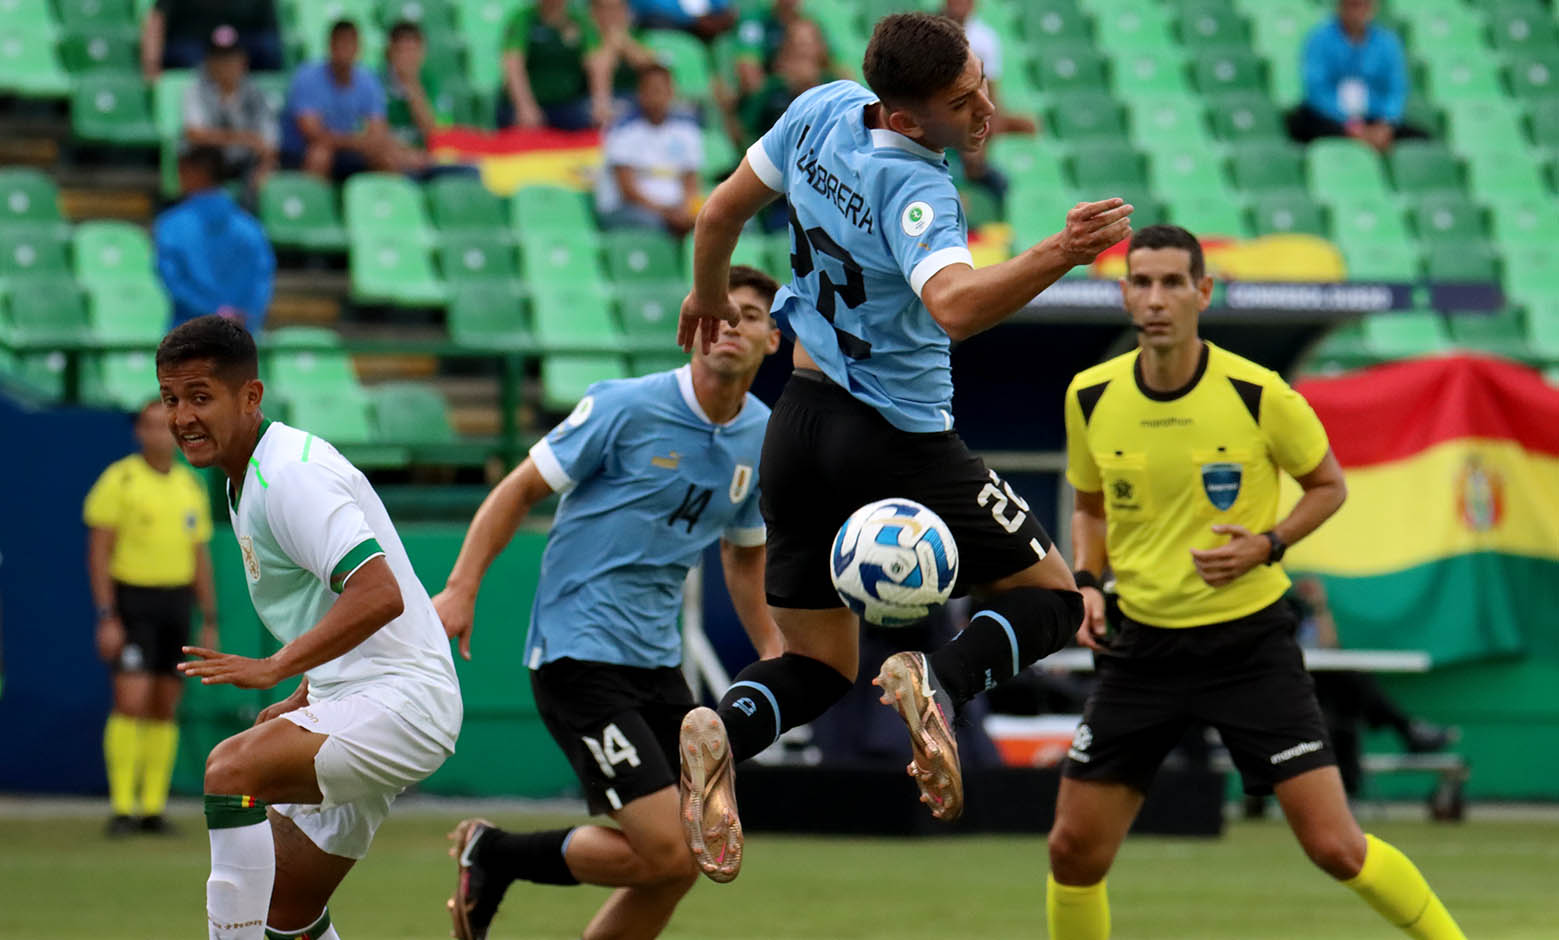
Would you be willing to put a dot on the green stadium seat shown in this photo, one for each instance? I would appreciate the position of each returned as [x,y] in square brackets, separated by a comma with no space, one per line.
[577,316]
[1492,174]
[1483,126]
[75,14]
[1035,158]
[105,109]
[1423,167]
[1341,169]
[1152,120]
[1265,167]
[720,155]
[980,206]
[27,253]
[1502,333]
[431,15]
[751,250]
[547,259]
[1514,30]
[1126,28]
[1534,75]
[30,15]
[340,416]
[29,198]
[40,375]
[306,359]
[30,65]
[1288,214]
[1405,334]
[566,379]
[1356,219]
[1053,24]
[1106,166]
[411,413]
[1439,29]
[1470,261]
[550,209]
[1543,123]
[100,49]
[1341,349]
[462,204]
[1209,26]
[1448,217]
[638,255]
[1531,268]
[1517,220]
[1542,327]
[473,257]
[123,380]
[1220,71]
[1188,171]
[482,23]
[649,310]
[49,312]
[1245,117]
[299,211]
[168,101]
[1149,72]
[1469,75]
[385,202]
[1205,217]
[1037,212]
[489,316]
[685,56]
[111,252]
[273,85]
[1070,72]
[129,311]
[1380,260]
[393,267]
[1078,118]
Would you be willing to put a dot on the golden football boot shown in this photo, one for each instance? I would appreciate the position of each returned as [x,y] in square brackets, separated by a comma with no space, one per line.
[709,820]
[909,685]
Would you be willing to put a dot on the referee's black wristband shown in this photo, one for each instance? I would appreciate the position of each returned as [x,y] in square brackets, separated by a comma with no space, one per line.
[1085,578]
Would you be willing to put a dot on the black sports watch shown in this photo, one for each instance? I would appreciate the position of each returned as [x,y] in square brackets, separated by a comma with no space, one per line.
[1279,546]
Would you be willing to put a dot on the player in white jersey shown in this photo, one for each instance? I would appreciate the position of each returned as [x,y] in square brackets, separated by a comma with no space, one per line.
[378,708]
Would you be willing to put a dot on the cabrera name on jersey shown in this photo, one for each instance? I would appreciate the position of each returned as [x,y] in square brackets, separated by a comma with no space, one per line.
[873,216]
[648,482]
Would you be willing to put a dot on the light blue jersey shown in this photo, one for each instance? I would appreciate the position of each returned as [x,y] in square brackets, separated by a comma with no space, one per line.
[649,482]
[873,215]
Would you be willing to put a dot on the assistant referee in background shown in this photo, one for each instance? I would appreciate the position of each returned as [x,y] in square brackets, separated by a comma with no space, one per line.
[1175,451]
[147,560]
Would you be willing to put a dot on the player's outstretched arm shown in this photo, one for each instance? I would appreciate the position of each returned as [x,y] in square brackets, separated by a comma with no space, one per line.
[491,529]
[965,301]
[370,599]
[743,567]
[715,233]
[1088,554]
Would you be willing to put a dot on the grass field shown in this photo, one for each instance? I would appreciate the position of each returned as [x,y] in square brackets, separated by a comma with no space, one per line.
[61,879]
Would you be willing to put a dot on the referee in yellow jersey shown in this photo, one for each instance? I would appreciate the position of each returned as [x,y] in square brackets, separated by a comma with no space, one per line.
[147,560]
[1175,450]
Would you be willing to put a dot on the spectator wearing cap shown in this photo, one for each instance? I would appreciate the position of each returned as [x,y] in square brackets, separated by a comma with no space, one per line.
[410,88]
[224,109]
[1355,81]
[652,159]
[335,123]
[212,256]
[175,33]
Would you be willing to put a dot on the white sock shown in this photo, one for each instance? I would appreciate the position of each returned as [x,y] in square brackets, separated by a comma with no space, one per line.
[238,893]
[321,929]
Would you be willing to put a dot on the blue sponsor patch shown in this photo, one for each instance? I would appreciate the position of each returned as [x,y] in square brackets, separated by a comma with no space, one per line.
[1221,482]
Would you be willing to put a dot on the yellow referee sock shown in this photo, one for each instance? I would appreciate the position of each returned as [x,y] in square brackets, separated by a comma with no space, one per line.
[159,747]
[121,755]
[1075,912]
[1391,884]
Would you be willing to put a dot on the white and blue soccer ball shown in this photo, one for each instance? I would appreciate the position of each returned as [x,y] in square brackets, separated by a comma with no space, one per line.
[893,562]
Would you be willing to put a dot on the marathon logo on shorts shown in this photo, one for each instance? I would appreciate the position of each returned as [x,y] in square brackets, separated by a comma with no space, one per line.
[1221,482]
[1082,739]
[1298,750]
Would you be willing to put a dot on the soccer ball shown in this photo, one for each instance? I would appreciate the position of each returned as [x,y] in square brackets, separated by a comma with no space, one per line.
[893,561]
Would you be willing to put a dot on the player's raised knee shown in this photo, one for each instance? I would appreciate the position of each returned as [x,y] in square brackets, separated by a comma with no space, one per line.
[228,769]
[669,860]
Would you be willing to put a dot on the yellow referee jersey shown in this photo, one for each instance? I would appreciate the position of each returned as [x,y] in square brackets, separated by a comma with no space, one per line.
[1173,465]
[157,518]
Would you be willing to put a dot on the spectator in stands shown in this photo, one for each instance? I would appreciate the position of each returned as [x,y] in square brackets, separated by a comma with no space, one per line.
[1355,81]
[759,40]
[224,109]
[175,32]
[613,64]
[410,90]
[800,63]
[213,256]
[705,19]
[973,167]
[560,67]
[652,161]
[148,563]
[334,124]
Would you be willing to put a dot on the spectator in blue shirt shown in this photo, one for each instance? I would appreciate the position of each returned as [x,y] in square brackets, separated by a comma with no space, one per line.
[334,123]
[1355,78]
[213,256]
[705,19]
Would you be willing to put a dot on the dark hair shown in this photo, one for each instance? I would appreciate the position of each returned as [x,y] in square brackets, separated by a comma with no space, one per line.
[912,56]
[1170,236]
[654,68]
[204,158]
[405,29]
[342,26]
[224,342]
[743,276]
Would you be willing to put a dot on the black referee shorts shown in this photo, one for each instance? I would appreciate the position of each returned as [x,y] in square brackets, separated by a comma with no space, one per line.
[827,454]
[618,725]
[1244,677]
[156,622]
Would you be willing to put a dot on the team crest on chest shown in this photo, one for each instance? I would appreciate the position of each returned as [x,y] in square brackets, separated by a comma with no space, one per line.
[1221,483]
[741,482]
[251,561]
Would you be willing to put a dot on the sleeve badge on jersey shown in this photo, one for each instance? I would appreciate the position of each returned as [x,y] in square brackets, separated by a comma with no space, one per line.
[916,218]
[578,416]
[251,563]
[741,482]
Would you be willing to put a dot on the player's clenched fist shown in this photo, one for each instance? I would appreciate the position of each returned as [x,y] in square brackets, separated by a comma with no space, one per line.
[1092,227]
[697,314]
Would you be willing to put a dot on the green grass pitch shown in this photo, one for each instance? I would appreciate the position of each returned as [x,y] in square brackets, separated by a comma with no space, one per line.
[60,878]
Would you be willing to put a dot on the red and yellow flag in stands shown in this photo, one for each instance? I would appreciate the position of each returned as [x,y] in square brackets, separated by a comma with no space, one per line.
[1449,539]
[512,158]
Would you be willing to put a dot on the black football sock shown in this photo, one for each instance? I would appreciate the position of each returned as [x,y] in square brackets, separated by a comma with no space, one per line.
[1005,634]
[774,695]
[529,856]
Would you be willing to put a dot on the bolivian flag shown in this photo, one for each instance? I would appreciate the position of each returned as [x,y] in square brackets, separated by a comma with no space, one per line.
[1449,539]
[511,158]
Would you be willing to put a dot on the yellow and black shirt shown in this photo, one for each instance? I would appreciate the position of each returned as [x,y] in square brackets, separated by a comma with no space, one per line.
[1172,465]
[157,518]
